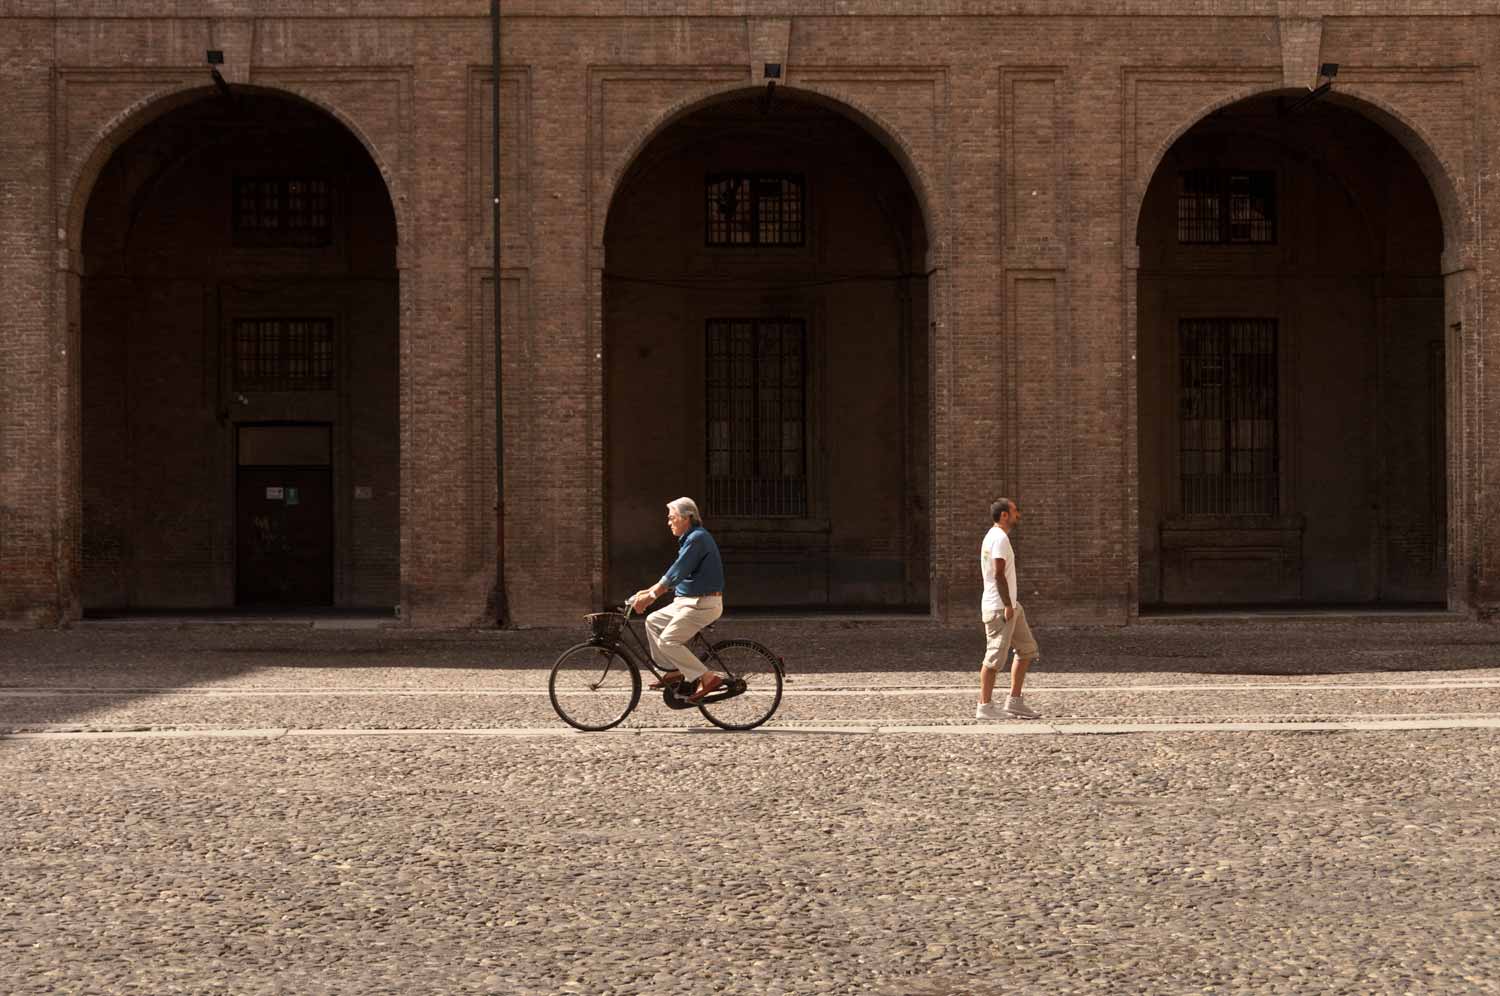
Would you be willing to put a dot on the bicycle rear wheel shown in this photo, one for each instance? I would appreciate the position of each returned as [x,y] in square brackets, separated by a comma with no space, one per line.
[593,688]
[760,670]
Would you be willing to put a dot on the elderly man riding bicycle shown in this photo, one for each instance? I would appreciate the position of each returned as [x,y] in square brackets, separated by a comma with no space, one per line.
[697,577]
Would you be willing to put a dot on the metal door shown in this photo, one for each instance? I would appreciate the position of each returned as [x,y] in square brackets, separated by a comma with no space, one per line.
[285,536]
[284,514]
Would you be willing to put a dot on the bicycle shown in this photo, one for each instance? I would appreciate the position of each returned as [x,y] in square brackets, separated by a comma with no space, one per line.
[594,685]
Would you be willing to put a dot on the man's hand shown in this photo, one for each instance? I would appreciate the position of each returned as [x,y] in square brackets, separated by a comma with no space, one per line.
[1010,610]
[641,600]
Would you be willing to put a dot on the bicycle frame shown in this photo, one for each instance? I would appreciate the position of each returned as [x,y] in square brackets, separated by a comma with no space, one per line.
[739,662]
[640,653]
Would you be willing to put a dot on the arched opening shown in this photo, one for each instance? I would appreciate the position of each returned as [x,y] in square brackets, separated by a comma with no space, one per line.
[1291,373]
[765,326]
[239,331]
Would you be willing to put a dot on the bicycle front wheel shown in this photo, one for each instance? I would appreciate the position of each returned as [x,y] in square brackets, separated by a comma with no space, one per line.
[760,670]
[593,688]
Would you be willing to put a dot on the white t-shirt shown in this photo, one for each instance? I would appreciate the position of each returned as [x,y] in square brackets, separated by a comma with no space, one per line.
[996,545]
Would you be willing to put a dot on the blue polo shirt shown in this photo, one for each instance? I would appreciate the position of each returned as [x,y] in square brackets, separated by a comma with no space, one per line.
[698,569]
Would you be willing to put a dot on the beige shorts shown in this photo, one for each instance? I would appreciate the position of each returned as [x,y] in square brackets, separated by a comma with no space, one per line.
[1000,636]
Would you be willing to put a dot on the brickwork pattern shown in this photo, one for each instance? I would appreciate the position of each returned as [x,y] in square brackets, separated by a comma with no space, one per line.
[1029,140]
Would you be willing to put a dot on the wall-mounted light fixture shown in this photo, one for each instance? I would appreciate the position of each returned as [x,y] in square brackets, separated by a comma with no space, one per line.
[772,72]
[215,58]
[1326,72]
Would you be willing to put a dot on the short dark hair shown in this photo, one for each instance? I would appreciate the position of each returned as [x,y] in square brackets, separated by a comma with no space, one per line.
[1000,506]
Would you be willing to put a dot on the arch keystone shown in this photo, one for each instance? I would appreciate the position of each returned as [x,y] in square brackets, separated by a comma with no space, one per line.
[1301,47]
[770,45]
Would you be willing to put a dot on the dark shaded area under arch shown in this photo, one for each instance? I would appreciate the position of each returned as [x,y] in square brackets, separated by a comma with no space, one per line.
[1351,505]
[222,231]
[854,532]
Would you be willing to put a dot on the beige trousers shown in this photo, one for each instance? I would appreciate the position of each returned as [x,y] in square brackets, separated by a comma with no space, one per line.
[670,627]
[1000,636]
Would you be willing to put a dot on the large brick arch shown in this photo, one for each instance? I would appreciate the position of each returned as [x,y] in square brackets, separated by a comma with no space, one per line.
[841,104]
[1456,199]
[78,181]
[611,171]
[78,175]
[1439,167]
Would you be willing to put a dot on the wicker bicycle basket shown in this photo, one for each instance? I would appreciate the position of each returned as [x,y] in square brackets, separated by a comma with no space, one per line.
[605,625]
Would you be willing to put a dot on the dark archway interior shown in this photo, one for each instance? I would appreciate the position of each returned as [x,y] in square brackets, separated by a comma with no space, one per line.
[1291,368]
[765,325]
[239,336]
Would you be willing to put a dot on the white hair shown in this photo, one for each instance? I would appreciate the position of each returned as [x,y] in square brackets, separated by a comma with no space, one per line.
[687,508]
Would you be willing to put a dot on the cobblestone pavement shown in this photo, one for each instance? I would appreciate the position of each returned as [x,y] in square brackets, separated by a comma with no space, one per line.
[262,809]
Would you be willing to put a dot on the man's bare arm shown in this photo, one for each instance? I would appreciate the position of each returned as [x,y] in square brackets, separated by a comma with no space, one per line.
[1000,582]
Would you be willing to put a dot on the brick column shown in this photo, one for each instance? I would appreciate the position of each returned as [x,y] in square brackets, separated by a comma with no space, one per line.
[447,540]
[556,550]
[38,505]
[1130,418]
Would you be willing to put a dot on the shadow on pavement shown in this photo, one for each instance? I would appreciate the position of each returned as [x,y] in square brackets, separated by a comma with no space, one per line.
[130,661]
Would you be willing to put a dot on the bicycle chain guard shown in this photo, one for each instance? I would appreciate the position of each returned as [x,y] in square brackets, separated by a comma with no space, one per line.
[669,695]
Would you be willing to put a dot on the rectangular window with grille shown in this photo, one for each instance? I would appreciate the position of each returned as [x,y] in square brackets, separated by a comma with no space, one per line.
[1228,449]
[757,417]
[1226,207]
[283,354]
[755,209]
[283,212]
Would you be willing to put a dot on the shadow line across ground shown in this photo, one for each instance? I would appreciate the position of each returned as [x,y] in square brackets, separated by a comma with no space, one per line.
[126,661]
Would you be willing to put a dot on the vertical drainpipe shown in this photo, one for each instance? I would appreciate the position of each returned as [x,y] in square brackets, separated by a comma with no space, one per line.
[502,604]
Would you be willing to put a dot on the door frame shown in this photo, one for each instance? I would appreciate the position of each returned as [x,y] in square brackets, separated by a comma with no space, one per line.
[329,466]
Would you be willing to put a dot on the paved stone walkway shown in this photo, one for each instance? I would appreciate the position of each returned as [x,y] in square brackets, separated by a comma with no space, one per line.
[871,673]
[270,810]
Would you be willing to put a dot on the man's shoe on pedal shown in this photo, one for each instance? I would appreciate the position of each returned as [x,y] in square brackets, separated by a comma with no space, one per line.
[707,684]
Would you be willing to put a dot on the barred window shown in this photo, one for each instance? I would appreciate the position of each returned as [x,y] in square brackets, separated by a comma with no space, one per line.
[755,209]
[757,417]
[1226,207]
[283,212]
[283,354]
[1228,452]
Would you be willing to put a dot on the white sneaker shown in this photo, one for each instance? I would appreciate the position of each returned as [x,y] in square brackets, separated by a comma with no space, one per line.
[1016,707]
[988,710]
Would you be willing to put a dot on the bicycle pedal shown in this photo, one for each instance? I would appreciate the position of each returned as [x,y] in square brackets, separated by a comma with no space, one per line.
[674,700]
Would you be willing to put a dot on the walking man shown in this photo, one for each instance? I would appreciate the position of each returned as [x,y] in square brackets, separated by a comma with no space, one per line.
[697,576]
[1005,625]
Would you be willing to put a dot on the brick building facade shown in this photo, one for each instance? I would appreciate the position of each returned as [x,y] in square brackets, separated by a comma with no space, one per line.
[843,271]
